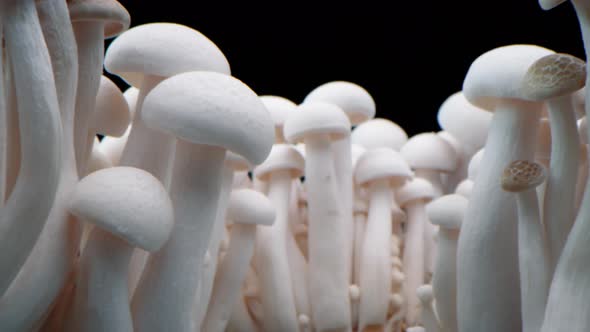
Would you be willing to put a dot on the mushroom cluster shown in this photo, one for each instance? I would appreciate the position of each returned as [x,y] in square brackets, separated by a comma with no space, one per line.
[206,207]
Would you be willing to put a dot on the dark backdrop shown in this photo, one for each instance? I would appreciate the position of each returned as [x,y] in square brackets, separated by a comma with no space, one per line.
[410,57]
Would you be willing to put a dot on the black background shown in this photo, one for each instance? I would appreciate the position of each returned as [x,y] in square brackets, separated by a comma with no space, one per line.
[410,55]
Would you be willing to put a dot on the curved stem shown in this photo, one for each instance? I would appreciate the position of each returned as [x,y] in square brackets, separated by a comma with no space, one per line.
[559,200]
[24,215]
[413,259]
[163,300]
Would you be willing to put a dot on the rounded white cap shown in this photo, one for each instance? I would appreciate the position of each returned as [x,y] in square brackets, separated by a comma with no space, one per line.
[498,74]
[466,122]
[447,211]
[464,188]
[382,164]
[353,99]
[126,201]
[111,115]
[429,151]
[282,157]
[378,133]
[247,206]
[162,49]
[211,109]
[316,118]
[416,189]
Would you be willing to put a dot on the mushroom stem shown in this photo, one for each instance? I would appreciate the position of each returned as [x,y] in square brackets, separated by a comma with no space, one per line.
[3,125]
[229,277]
[165,295]
[444,280]
[559,201]
[328,268]
[102,298]
[240,319]
[375,275]
[12,132]
[272,265]
[533,258]
[487,261]
[24,215]
[90,41]
[343,170]
[413,258]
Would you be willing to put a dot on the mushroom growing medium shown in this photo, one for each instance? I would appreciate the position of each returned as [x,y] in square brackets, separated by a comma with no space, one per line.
[318,125]
[144,220]
[209,113]
[40,138]
[380,170]
[247,209]
[487,252]
[522,177]
[553,79]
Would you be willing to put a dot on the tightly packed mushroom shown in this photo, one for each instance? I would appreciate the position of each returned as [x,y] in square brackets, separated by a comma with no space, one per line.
[206,207]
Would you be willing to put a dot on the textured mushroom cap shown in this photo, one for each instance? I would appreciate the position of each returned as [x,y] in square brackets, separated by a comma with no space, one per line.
[131,95]
[236,162]
[498,74]
[377,133]
[162,49]
[111,115]
[473,166]
[279,108]
[521,175]
[316,118]
[550,4]
[382,164]
[115,17]
[554,75]
[247,206]
[464,188]
[415,189]
[282,157]
[466,122]
[211,109]
[429,151]
[447,211]
[356,151]
[126,201]
[425,294]
[353,99]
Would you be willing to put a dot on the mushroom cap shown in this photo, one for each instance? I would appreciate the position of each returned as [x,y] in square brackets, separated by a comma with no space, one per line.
[521,175]
[353,99]
[550,4]
[473,166]
[413,190]
[554,75]
[128,202]
[466,122]
[377,133]
[282,157]
[236,162]
[210,108]
[162,49]
[356,151]
[447,211]
[464,188]
[115,17]
[247,206]
[111,115]
[279,108]
[497,74]
[425,294]
[429,151]
[316,118]
[382,164]
[453,142]
[113,146]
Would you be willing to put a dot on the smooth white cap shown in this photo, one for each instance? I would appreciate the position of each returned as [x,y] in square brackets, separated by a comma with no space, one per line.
[466,122]
[429,151]
[282,157]
[464,188]
[162,49]
[425,294]
[211,109]
[111,115]
[382,164]
[316,118]
[353,99]
[447,211]
[498,74]
[378,133]
[356,151]
[247,206]
[416,189]
[279,108]
[126,201]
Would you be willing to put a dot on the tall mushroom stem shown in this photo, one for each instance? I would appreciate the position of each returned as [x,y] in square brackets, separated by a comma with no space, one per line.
[559,201]
[3,125]
[164,297]
[24,215]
